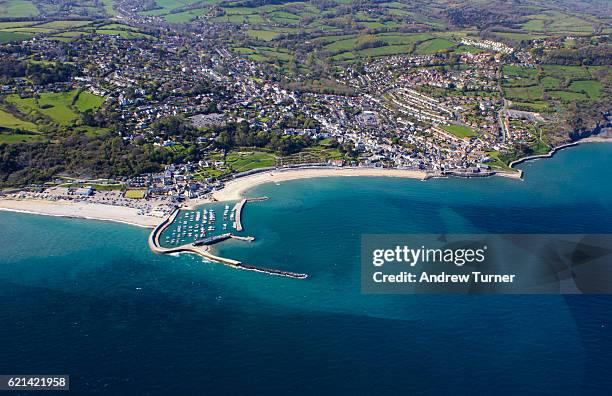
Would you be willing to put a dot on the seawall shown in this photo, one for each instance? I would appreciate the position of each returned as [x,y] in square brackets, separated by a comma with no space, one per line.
[550,154]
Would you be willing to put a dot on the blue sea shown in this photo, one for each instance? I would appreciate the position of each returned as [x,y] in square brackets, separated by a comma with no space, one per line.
[88,298]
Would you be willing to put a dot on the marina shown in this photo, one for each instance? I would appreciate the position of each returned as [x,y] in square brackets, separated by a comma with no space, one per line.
[195,231]
[211,223]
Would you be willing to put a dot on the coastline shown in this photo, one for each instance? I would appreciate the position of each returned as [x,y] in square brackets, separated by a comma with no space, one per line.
[554,150]
[234,190]
[87,211]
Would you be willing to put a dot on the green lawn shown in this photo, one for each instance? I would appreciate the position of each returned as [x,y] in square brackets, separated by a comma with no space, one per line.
[7,37]
[244,161]
[7,120]
[88,101]
[567,96]
[461,131]
[266,35]
[433,46]
[519,71]
[57,106]
[536,106]
[525,94]
[17,9]
[567,72]
[20,138]
[64,24]
[550,82]
[591,87]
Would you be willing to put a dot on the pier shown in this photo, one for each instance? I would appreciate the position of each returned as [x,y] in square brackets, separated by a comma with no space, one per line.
[238,213]
[201,248]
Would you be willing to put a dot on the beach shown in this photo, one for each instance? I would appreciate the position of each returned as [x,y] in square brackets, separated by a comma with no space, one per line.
[235,190]
[82,210]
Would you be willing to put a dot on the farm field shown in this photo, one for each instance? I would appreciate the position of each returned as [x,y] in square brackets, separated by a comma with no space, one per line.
[7,37]
[567,96]
[524,93]
[591,88]
[58,108]
[433,46]
[17,9]
[266,35]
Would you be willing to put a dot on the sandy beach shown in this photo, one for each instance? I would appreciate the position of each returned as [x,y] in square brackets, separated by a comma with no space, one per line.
[596,139]
[235,189]
[94,211]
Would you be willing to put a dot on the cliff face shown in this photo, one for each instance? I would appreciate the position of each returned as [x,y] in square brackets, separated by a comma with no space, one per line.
[603,129]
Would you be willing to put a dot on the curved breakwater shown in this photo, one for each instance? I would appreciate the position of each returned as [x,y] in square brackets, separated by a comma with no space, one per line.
[550,154]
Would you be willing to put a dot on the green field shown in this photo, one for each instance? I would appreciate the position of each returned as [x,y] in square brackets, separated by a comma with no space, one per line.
[8,25]
[567,96]
[88,101]
[524,93]
[536,106]
[566,72]
[555,22]
[461,131]
[433,46]
[244,161]
[550,82]
[64,24]
[57,107]
[590,87]
[7,120]
[183,17]
[266,35]
[519,71]
[7,37]
[17,9]
[468,49]
[518,36]
[20,138]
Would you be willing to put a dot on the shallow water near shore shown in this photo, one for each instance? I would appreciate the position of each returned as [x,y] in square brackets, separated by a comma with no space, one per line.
[88,298]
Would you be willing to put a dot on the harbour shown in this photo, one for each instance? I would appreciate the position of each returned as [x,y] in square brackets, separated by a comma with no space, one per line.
[195,231]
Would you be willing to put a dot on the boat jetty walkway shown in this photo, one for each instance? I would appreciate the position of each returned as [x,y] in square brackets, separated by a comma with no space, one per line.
[238,210]
[201,247]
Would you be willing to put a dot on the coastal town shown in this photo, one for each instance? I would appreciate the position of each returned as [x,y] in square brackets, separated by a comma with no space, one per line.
[181,112]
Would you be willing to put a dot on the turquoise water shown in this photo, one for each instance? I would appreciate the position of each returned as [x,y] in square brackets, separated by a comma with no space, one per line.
[87,298]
